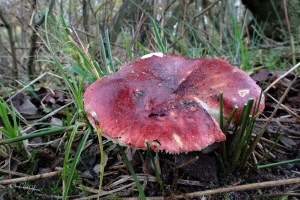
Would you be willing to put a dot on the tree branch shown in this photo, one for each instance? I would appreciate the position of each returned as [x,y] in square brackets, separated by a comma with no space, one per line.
[12,45]
[33,40]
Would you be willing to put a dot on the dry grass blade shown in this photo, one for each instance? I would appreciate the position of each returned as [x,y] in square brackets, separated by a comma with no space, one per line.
[13,173]
[286,109]
[54,112]
[265,127]
[105,193]
[281,77]
[32,82]
[30,178]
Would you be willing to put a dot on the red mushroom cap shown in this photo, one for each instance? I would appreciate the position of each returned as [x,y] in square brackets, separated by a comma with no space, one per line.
[153,99]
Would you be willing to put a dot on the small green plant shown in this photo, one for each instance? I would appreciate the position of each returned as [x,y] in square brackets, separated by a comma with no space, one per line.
[114,197]
[278,163]
[85,68]
[273,60]
[4,151]
[235,150]
[52,188]
[11,128]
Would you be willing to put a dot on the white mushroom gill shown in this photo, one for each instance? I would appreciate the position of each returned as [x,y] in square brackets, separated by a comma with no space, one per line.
[158,54]
[216,86]
[215,113]
[178,140]
[243,92]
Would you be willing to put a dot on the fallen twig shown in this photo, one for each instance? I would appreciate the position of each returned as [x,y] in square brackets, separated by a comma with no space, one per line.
[281,77]
[105,193]
[30,178]
[267,196]
[265,127]
[286,109]
[251,186]
[32,82]
[12,172]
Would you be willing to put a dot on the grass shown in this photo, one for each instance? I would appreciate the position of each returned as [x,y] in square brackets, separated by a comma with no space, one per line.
[158,39]
[154,165]
[74,163]
[133,174]
[11,128]
[84,66]
[37,133]
[99,135]
[278,163]
[236,147]
[83,69]
[68,162]
[127,45]
[241,51]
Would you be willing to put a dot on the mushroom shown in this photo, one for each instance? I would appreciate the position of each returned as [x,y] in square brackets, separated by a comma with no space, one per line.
[169,101]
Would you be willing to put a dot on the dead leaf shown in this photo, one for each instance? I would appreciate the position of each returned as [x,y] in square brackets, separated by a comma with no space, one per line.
[288,142]
[27,107]
[56,121]
[260,75]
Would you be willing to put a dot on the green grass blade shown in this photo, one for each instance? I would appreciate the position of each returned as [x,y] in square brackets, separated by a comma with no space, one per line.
[158,178]
[67,152]
[278,163]
[145,51]
[246,141]
[158,39]
[9,127]
[37,133]
[137,183]
[96,65]
[279,19]
[104,55]
[112,67]
[246,120]
[127,45]
[78,70]
[240,48]
[271,149]
[242,134]
[230,118]
[237,136]
[258,103]
[76,94]
[102,156]
[75,162]
[221,115]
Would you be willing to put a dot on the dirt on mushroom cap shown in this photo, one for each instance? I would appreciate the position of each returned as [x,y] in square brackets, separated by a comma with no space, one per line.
[152,99]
